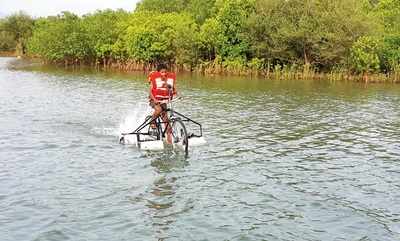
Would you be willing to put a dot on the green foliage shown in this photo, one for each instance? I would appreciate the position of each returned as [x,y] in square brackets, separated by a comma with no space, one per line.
[201,10]
[365,55]
[389,12]
[231,16]
[7,41]
[237,36]
[142,41]
[256,64]
[390,53]
[103,30]
[236,65]
[60,38]
[211,38]
[311,31]
[15,31]
[162,6]
[152,37]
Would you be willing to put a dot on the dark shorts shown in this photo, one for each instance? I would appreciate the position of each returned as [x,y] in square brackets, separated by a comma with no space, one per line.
[153,104]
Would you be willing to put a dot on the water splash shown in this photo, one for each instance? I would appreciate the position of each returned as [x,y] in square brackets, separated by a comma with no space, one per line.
[128,124]
[133,120]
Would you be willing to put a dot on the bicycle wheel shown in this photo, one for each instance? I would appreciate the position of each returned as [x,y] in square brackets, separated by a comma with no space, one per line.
[179,135]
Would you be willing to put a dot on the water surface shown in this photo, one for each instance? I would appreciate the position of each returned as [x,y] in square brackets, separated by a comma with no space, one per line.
[285,160]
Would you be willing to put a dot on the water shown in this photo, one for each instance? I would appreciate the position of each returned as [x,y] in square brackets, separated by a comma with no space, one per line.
[285,160]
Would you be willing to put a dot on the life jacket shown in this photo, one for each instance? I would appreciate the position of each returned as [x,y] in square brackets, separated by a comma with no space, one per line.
[160,88]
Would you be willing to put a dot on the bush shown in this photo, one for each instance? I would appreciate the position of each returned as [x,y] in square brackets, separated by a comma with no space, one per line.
[365,55]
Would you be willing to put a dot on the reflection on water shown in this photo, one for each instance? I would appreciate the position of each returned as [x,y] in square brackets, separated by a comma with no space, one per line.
[162,205]
[168,160]
[163,202]
[285,160]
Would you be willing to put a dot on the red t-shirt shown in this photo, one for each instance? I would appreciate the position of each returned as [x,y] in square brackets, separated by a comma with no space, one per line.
[159,87]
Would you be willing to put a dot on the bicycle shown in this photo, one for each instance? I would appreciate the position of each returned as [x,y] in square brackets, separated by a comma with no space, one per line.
[155,129]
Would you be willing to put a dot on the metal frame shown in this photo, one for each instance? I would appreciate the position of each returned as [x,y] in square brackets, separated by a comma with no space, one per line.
[159,126]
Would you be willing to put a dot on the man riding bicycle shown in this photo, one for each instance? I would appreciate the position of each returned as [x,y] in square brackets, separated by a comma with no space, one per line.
[162,90]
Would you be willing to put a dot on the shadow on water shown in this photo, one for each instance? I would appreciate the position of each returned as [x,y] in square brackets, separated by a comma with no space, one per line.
[163,202]
[168,160]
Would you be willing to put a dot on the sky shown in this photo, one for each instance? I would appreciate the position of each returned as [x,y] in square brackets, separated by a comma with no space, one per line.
[42,8]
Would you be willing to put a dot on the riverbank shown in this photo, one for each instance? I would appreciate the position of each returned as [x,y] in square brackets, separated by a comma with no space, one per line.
[8,54]
[250,38]
[220,69]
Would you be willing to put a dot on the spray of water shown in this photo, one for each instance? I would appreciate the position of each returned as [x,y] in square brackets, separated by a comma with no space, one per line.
[128,124]
[133,120]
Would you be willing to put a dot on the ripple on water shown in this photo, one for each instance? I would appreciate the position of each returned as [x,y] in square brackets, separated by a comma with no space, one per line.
[287,160]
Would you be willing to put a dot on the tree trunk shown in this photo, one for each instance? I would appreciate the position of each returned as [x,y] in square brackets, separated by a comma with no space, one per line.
[305,55]
[19,51]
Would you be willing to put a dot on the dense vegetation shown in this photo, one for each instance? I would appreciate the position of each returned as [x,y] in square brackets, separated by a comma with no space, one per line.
[15,31]
[271,37]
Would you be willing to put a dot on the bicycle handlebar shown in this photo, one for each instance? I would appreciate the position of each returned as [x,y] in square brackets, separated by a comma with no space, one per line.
[176,99]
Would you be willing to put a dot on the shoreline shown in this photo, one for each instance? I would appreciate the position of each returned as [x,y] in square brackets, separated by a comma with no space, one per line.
[285,73]
[5,54]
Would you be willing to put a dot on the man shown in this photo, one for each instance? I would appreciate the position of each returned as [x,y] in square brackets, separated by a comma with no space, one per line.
[162,90]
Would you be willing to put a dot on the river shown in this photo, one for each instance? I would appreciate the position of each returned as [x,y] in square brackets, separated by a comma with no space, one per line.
[285,160]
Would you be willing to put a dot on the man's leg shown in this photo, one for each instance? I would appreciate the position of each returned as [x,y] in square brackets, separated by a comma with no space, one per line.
[157,111]
[169,128]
